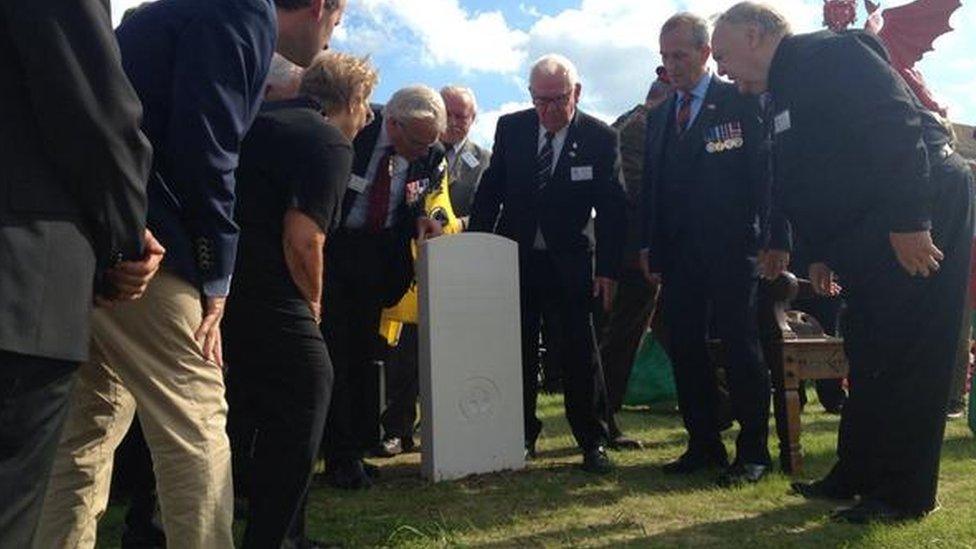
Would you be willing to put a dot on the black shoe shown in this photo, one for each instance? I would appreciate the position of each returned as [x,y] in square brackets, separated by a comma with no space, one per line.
[351,475]
[622,442]
[694,461]
[957,409]
[595,460]
[823,489]
[389,447]
[740,474]
[872,510]
[372,471]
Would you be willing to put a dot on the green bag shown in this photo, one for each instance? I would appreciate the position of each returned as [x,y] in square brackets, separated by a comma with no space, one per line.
[651,378]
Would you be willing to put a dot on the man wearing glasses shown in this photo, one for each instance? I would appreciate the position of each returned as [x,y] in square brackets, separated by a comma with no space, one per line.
[550,168]
[371,267]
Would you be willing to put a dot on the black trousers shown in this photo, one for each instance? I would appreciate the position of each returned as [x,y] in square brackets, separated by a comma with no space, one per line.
[402,386]
[558,287]
[34,395]
[621,330]
[280,367]
[355,282]
[722,288]
[901,334]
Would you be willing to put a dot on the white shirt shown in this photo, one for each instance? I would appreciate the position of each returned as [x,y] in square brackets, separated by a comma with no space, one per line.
[558,140]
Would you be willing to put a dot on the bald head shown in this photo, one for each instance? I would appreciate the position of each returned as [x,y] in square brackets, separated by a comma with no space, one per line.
[744,42]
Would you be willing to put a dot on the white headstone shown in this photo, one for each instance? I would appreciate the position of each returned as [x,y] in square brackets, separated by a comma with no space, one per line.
[470,356]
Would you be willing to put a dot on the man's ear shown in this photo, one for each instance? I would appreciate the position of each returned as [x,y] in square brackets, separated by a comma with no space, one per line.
[706,52]
[317,8]
[577,91]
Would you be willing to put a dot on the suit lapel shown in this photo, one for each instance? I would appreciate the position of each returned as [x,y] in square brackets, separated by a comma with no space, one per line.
[659,125]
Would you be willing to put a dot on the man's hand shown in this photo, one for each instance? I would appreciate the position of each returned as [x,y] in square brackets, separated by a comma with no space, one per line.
[822,279]
[208,334]
[129,279]
[604,288]
[773,263]
[428,228]
[916,252]
[644,260]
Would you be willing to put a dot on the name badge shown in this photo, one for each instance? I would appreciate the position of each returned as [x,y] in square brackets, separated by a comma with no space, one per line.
[581,173]
[470,160]
[357,183]
[782,122]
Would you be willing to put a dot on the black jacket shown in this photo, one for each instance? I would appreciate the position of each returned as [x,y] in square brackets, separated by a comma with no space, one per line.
[73,168]
[431,169]
[726,209]
[562,210]
[851,146]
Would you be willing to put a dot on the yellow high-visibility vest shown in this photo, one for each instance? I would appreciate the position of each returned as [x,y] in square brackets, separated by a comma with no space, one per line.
[437,205]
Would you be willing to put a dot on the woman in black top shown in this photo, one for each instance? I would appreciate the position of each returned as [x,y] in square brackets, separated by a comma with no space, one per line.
[294,167]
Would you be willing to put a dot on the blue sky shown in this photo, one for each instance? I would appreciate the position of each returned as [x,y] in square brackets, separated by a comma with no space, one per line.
[489,45]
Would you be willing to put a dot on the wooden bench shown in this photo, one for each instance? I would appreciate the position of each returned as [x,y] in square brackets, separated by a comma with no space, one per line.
[791,358]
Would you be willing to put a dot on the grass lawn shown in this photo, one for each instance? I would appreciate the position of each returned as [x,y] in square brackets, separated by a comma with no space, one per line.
[554,504]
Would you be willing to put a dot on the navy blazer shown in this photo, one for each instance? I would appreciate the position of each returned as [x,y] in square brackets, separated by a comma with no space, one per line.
[563,209]
[729,206]
[199,69]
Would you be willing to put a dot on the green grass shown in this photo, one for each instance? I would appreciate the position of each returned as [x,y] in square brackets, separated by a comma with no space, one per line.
[554,504]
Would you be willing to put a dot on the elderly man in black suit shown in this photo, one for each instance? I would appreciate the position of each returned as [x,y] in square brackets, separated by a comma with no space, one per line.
[889,208]
[551,167]
[465,162]
[704,213]
[370,266]
[73,168]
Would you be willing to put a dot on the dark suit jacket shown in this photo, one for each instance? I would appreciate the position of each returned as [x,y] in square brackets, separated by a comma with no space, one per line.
[562,210]
[199,69]
[73,167]
[852,148]
[727,208]
[465,178]
[401,272]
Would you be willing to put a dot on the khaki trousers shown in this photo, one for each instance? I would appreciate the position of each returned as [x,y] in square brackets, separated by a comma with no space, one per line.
[144,357]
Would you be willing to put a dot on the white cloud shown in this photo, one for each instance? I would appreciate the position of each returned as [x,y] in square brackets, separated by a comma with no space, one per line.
[483,130]
[445,33]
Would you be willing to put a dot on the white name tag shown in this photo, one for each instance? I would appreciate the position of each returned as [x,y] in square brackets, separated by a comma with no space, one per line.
[357,183]
[782,122]
[470,160]
[581,173]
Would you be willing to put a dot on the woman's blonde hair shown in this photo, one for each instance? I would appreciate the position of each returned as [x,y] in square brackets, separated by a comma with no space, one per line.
[336,78]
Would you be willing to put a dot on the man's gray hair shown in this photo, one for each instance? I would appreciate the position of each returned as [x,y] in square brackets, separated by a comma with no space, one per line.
[769,21]
[283,73]
[462,91]
[554,64]
[417,102]
[700,33]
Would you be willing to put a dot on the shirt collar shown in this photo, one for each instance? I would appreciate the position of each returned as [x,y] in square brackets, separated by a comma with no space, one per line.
[698,92]
[561,133]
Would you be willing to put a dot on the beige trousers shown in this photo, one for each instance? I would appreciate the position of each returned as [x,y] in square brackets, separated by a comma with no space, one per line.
[144,358]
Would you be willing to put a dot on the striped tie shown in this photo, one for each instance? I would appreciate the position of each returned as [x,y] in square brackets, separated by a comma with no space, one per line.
[544,162]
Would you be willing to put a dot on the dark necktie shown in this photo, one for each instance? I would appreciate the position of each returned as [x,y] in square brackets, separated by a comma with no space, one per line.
[544,162]
[684,113]
[379,194]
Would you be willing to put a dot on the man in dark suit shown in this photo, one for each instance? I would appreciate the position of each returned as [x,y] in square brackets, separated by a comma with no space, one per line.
[704,211]
[550,168]
[369,266]
[199,69]
[73,167]
[867,176]
[466,161]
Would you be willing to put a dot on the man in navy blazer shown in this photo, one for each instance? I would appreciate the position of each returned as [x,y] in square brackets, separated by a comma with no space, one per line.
[199,69]
[705,199]
[550,168]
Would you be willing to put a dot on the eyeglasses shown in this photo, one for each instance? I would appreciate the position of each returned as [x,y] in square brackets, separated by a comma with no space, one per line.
[417,144]
[558,101]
